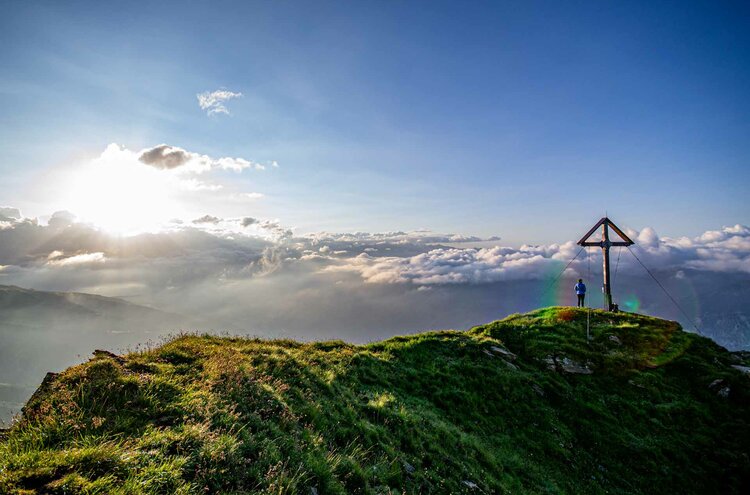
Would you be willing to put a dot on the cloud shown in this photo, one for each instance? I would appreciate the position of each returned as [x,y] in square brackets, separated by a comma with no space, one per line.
[276,229]
[418,258]
[449,266]
[207,219]
[193,184]
[256,275]
[166,157]
[213,101]
[9,214]
[725,250]
[61,219]
[416,237]
[57,258]
[248,196]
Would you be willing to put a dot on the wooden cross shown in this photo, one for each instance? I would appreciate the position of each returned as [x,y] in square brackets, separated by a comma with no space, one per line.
[605,223]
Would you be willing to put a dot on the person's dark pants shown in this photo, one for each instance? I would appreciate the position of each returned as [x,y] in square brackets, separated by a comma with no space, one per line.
[581,300]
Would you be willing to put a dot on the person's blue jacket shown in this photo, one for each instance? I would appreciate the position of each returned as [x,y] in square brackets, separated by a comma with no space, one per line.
[580,288]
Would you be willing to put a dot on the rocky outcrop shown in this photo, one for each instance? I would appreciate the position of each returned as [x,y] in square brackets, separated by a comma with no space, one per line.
[44,388]
[100,354]
[505,353]
[566,365]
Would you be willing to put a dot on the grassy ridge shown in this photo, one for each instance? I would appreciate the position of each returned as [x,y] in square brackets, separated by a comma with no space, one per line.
[522,405]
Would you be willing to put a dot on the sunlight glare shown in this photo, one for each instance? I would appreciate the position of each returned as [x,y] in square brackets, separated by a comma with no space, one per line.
[121,195]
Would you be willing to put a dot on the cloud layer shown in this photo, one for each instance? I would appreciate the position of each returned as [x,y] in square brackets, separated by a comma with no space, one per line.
[254,274]
[725,250]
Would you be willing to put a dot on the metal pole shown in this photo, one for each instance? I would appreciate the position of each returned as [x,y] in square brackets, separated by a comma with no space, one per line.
[605,252]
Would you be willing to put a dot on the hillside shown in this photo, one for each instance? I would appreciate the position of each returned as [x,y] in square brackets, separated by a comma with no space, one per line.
[521,405]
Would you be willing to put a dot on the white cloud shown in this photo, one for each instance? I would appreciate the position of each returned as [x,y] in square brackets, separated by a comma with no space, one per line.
[61,219]
[421,237]
[8,213]
[726,250]
[276,229]
[252,196]
[55,254]
[213,101]
[449,266]
[193,184]
[56,258]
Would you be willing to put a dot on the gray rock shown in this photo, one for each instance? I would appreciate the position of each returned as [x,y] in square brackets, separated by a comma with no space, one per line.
[724,392]
[488,353]
[470,484]
[715,383]
[615,339]
[510,365]
[503,352]
[536,388]
[744,369]
[313,491]
[570,366]
[408,467]
[549,361]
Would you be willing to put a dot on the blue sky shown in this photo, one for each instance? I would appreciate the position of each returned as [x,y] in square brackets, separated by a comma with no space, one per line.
[520,119]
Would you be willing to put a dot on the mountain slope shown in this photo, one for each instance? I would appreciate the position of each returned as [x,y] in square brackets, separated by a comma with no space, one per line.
[42,330]
[15,299]
[522,405]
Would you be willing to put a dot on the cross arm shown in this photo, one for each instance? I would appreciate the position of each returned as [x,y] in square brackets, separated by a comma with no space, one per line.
[582,242]
[602,243]
[622,235]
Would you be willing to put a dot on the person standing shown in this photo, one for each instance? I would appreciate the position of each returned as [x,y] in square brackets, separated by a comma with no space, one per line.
[580,289]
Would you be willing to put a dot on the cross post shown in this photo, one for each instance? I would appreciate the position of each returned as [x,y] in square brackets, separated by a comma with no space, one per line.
[605,223]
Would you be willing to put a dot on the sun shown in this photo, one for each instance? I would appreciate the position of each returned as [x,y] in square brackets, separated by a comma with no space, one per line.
[121,195]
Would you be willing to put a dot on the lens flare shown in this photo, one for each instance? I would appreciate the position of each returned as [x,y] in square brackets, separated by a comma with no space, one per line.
[631,303]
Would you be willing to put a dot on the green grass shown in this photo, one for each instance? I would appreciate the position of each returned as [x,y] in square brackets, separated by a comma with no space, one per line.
[429,413]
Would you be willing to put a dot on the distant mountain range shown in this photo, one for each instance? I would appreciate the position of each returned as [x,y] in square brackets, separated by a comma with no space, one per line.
[48,331]
[730,329]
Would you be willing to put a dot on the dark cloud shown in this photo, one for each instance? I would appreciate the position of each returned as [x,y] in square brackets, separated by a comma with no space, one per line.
[164,156]
[248,221]
[207,219]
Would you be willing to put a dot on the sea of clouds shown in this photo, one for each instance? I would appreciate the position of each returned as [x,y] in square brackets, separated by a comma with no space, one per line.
[255,275]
